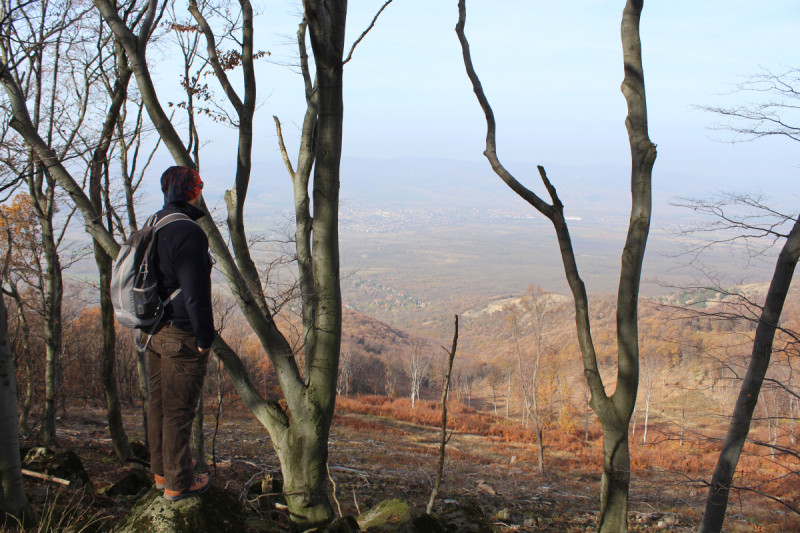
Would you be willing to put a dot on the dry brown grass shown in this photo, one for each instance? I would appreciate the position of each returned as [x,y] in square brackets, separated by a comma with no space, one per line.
[380,448]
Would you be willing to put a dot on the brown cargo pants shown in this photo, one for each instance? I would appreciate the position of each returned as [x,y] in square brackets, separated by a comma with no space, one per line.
[176,374]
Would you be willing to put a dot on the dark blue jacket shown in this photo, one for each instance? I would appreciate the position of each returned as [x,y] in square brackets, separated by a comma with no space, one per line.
[183,261]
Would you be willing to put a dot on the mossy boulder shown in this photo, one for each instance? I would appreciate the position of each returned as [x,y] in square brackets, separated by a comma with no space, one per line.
[215,511]
[396,516]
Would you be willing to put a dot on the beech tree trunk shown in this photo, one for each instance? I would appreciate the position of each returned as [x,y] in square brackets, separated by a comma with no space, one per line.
[13,501]
[614,412]
[30,390]
[116,428]
[98,169]
[30,386]
[53,294]
[299,439]
[721,481]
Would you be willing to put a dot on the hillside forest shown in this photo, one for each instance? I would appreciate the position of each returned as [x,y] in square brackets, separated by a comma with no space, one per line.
[331,392]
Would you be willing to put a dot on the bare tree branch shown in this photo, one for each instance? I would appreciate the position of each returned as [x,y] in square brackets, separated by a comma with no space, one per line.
[774,113]
[365,32]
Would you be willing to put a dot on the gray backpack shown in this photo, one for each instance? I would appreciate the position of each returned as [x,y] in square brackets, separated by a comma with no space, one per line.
[134,288]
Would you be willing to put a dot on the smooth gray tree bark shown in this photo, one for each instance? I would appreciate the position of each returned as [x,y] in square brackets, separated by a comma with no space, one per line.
[98,170]
[301,439]
[614,411]
[53,292]
[721,481]
[25,348]
[299,431]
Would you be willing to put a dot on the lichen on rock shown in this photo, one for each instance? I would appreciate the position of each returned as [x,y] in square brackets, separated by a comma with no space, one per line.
[215,511]
[396,516]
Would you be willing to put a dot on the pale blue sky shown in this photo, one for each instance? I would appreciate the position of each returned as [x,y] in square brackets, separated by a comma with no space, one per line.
[552,72]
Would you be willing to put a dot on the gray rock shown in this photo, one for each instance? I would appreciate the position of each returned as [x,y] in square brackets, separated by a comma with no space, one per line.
[215,511]
[395,516]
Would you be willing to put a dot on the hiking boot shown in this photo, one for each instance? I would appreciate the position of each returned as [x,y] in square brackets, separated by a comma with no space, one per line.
[201,484]
[160,481]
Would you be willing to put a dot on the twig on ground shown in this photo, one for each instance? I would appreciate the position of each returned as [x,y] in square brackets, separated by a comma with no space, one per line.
[333,484]
[349,470]
[45,477]
[355,501]
[273,494]
[247,485]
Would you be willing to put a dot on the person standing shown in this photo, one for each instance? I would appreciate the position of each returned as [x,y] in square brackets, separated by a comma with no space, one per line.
[179,348]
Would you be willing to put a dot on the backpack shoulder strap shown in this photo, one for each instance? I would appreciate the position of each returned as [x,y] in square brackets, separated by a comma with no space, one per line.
[169,219]
[151,220]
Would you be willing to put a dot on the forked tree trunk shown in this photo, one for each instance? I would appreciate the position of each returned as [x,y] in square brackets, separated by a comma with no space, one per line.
[616,478]
[721,481]
[108,354]
[52,334]
[614,412]
[303,454]
[309,396]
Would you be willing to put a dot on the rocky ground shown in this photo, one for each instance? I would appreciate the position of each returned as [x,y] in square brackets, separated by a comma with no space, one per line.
[372,459]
